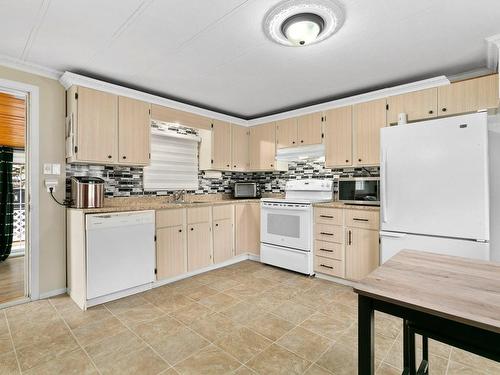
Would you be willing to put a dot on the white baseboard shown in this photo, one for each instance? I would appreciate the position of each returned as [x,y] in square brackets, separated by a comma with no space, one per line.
[334,279]
[255,258]
[239,258]
[53,293]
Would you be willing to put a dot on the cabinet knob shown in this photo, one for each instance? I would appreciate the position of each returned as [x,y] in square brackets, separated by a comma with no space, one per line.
[227,165]
[293,142]
[109,156]
[431,112]
[216,225]
[192,228]
[271,165]
[347,161]
[301,141]
[180,230]
[234,166]
[443,109]
[359,160]
[124,157]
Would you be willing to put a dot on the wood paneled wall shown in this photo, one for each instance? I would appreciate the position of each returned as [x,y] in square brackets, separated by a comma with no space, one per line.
[12,121]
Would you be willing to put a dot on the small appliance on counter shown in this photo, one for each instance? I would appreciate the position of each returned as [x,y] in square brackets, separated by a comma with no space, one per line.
[246,190]
[359,190]
[87,192]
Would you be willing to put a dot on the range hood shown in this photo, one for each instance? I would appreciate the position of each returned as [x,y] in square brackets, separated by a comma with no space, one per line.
[302,153]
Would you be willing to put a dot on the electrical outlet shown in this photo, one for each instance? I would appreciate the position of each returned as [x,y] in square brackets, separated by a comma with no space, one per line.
[51,184]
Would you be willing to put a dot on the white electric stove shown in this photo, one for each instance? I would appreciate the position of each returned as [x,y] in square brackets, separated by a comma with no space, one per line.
[286,231]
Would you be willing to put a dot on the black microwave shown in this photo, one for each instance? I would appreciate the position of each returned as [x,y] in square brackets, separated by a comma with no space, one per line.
[359,190]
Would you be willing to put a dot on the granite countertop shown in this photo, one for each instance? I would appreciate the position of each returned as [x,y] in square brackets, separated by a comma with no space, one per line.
[161,203]
[347,206]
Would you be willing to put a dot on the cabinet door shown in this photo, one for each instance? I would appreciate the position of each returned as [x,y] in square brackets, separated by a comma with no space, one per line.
[263,147]
[239,150]
[362,252]
[286,133]
[368,119]
[97,125]
[221,145]
[134,131]
[170,252]
[223,240]
[418,105]
[247,228]
[468,96]
[338,137]
[309,129]
[199,249]
[192,120]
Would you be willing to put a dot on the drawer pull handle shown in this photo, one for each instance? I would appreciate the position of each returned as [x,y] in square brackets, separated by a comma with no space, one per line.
[356,219]
[324,265]
[327,250]
[326,234]
[326,216]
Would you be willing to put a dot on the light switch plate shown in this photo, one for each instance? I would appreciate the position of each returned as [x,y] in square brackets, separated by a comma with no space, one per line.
[56,169]
[47,168]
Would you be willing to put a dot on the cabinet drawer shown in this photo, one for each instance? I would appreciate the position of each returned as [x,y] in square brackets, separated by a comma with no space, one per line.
[220,212]
[330,233]
[324,215]
[329,250]
[362,219]
[331,267]
[198,215]
[170,218]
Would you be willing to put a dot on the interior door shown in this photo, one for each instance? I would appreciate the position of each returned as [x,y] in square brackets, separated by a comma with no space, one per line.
[434,178]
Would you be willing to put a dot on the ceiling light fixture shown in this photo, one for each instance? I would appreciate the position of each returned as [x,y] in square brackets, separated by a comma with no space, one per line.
[301,22]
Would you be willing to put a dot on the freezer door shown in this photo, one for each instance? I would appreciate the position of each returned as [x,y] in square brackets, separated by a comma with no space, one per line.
[434,177]
[392,243]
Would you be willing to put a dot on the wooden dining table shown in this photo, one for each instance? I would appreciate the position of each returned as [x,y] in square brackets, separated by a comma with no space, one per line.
[450,299]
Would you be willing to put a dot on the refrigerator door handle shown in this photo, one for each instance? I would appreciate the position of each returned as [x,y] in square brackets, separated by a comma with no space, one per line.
[392,234]
[383,174]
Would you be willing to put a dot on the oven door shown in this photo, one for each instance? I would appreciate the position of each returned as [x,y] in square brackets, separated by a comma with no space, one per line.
[286,224]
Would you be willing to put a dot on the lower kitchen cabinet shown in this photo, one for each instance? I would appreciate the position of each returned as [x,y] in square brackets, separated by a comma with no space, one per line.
[362,252]
[171,253]
[223,240]
[198,246]
[247,231]
[349,250]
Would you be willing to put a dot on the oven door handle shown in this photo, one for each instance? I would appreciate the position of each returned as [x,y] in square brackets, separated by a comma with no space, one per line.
[284,208]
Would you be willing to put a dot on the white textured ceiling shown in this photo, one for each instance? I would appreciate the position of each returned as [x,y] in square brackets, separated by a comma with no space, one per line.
[214,53]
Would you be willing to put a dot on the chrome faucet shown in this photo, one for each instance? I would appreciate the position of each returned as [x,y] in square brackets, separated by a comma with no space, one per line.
[179,196]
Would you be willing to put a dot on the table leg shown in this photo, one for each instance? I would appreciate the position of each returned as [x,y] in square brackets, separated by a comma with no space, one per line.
[366,352]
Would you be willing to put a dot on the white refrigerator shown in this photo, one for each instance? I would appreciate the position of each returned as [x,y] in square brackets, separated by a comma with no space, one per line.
[435,187]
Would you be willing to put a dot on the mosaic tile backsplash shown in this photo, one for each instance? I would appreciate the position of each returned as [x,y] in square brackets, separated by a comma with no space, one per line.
[127,181]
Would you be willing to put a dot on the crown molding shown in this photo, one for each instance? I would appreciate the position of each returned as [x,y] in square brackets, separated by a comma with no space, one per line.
[69,79]
[493,52]
[373,95]
[28,67]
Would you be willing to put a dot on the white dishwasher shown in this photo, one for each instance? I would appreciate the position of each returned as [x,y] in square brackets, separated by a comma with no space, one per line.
[120,251]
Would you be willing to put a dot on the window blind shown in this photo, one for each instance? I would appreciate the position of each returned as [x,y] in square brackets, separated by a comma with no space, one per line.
[174,160]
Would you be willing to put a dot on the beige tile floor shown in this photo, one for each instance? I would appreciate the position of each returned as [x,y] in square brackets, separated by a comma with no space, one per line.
[243,319]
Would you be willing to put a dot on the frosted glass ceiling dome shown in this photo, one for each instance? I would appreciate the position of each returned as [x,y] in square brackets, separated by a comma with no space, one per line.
[299,23]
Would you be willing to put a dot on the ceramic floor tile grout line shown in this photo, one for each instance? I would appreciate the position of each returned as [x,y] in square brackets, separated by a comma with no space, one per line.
[12,341]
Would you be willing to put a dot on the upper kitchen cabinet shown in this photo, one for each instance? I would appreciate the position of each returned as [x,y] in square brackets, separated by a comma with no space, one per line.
[191,120]
[221,145]
[107,129]
[263,146]
[337,128]
[94,121]
[468,96]
[418,105]
[368,118]
[133,132]
[286,133]
[239,148]
[309,129]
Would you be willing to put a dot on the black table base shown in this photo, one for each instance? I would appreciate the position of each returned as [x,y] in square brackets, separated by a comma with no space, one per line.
[472,339]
